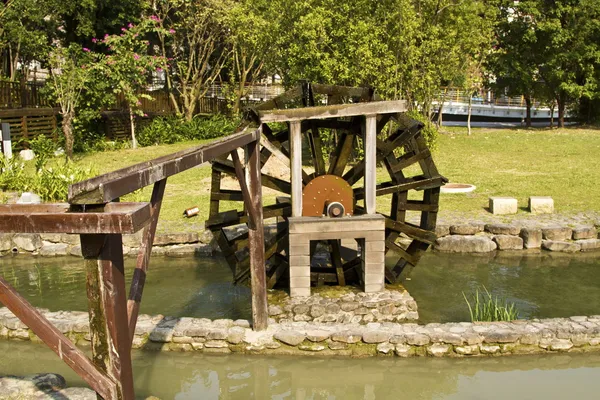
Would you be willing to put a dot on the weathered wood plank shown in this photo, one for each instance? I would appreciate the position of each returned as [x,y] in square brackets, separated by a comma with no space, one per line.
[56,218]
[271,182]
[370,179]
[409,159]
[342,154]
[418,183]
[57,342]
[334,111]
[296,173]
[347,91]
[111,346]
[105,188]
[242,181]
[411,230]
[233,217]
[143,259]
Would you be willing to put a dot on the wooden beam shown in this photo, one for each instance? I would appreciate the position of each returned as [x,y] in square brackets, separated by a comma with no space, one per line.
[143,259]
[57,342]
[242,180]
[346,91]
[107,187]
[256,239]
[411,230]
[296,174]
[335,111]
[370,163]
[107,304]
[60,218]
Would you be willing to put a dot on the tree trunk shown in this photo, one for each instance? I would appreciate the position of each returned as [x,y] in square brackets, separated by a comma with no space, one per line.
[67,128]
[561,112]
[552,107]
[469,115]
[440,119]
[528,113]
[132,124]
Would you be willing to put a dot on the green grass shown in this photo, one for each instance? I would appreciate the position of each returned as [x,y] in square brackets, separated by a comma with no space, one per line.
[564,164]
[488,308]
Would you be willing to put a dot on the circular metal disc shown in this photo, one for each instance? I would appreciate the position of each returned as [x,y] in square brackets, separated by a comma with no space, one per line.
[322,190]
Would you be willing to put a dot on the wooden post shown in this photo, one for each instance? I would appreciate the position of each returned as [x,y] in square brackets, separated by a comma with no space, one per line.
[111,348]
[370,163]
[143,259]
[256,237]
[6,142]
[296,175]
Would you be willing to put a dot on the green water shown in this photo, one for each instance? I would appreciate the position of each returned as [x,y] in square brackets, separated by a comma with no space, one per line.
[196,376]
[541,285]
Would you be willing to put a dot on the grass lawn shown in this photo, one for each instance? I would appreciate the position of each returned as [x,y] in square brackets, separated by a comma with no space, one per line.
[564,164]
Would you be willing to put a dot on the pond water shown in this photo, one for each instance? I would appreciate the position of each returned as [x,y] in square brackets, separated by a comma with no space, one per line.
[196,376]
[541,285]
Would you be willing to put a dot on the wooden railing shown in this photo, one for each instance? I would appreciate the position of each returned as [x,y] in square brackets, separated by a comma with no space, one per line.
[22,95]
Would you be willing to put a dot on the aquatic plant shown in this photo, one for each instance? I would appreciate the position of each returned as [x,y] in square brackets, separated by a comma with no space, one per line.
[485,307]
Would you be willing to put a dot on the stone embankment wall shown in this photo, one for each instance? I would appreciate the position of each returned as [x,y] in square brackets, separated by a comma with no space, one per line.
[344,305]
[463,238]
[484,238]
[575,334]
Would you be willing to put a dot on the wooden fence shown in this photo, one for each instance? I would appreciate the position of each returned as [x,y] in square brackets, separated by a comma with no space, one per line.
[22,95]
[27,123]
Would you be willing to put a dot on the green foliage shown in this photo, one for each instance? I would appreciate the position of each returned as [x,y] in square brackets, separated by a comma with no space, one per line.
[12,174]
[173,129]
[485,307]
[44,148]
[430,130]
[52,183]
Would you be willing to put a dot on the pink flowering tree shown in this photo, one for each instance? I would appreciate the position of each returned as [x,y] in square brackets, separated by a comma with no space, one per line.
[128,65]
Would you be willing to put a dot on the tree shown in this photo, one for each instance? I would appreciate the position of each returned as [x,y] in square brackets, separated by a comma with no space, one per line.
[72,69]
[195,48]
[128,65]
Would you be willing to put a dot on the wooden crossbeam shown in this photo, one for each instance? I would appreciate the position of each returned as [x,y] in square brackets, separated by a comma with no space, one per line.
[334,111]
[241,176]
[419,183]
[57,342]
[411,230]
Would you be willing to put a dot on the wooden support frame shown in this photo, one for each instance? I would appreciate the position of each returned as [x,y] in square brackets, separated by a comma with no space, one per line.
[296,159]
[370,163]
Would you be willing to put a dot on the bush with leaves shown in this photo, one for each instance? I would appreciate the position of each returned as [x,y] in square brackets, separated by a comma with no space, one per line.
[12,174]
[172,129]
[43,148]
[52,183]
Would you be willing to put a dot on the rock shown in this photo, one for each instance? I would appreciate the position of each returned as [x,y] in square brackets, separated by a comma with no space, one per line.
[317,311]
[5,241]
[503,205]
[349,306]
[27,155]
[489,349]
[291,338]
[27,241]
[565,247]
[31,386]
[76,394]
[465,244]
[467,350]
[438,350]
[558,233]
[216,344]
[311,347]
[416,339]
[532,238]
[337,345]
[275,310]
[589,244]
[541,205]
[29,198]
[301,309]
[403,350]
[466,229]
[347,337]
[206,237]
[586,232]
[560,345]
[317,335]
[502,229]
[442,230]
[236,334]
[54,249]
[76,251]
[508,242]
[161,335]
[385,348]
[500,336]
[176,238]
[376,336]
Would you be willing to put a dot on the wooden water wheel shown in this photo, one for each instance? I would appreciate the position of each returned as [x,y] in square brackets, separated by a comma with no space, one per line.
[412,184]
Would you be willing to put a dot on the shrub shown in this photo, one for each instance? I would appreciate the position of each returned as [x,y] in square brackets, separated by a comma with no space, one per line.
[173,129]
[486,307]
[12,174]
[52,183]
[44,148]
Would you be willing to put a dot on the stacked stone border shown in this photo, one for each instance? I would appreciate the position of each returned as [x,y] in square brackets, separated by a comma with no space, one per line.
[462,238]
[484,238]
[463,339]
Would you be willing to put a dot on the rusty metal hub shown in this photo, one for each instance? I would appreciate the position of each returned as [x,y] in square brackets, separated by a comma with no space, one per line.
[327,195]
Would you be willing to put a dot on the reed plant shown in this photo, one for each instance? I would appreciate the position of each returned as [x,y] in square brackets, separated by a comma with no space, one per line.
[485,307]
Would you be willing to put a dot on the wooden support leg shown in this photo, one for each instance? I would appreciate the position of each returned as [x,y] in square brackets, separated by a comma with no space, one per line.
[256,238]
[111,346]
[143,259]
[370,163]
[57,342]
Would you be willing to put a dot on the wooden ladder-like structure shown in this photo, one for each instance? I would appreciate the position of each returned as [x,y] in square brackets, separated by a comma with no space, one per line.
[95,213]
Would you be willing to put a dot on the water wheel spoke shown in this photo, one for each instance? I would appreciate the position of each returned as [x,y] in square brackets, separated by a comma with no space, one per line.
[341,155]
[336,261]
[410,230]
[409,159]
[404,267]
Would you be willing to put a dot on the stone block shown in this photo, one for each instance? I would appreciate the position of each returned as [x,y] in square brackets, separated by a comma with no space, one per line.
[54,249]
[564,247]
[299,292]
[27,241]
[374,279]
[378,246]
[375,256]
[296,272]
[508,242]
[466,229]
[442,230]
[291,338]
[374,287]
[503,205]
[557,233]
[465,244]
[585,232]
[502,229]
[299,261]
[589,244]
[5,241]
[532,238]
[541,205]
[300,282]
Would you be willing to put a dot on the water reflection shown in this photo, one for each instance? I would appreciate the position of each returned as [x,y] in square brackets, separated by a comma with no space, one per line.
[195,376]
